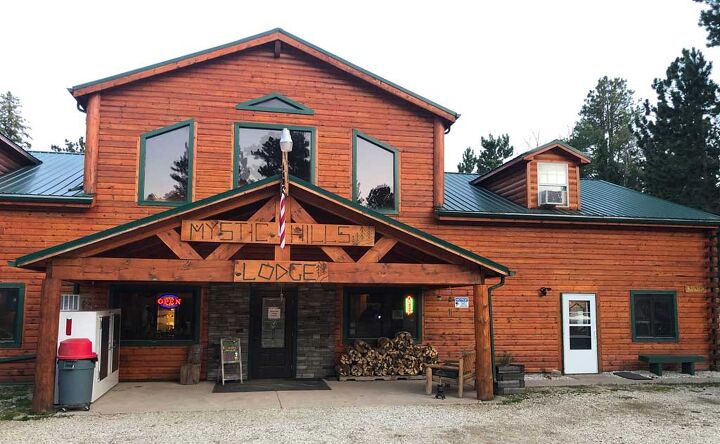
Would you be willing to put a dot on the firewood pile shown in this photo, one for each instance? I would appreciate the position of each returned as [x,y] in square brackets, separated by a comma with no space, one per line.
[396,356]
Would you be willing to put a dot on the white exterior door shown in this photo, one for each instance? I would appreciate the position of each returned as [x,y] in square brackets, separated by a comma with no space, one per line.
[579,333]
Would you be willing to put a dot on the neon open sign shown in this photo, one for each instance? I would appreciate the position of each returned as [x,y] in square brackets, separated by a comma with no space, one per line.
[169,301]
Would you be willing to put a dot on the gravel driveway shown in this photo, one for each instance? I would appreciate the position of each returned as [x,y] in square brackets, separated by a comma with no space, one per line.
[647,413]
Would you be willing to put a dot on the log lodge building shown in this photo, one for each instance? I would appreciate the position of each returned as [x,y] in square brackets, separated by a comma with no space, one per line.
[177,194]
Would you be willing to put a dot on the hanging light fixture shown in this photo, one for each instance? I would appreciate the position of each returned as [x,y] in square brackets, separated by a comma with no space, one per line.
[286,143]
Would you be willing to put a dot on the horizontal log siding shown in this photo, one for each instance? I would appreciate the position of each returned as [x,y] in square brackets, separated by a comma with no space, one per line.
[209,92]
[607,262]
[511,184]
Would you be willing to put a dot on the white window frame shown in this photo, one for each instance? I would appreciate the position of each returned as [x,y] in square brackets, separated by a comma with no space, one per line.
[567,182]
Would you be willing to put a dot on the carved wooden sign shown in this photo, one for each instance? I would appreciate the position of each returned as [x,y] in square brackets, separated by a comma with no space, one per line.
[280,271]
[245,232]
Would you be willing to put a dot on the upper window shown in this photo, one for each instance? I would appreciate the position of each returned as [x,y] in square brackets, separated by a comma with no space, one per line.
[275,103]
[372,313]
[654,315]
[157,313]
[11,314]
[166,165]
[553,177]
[258,155]
[375,173]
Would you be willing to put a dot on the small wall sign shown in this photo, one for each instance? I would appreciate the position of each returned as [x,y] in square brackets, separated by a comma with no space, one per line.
[462,302]
[274,313]
[169,301]
[694,289]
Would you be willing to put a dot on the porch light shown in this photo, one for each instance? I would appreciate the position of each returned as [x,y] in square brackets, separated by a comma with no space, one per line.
[286,142]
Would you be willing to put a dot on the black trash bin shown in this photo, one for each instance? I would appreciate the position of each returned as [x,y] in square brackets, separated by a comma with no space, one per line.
[76,369]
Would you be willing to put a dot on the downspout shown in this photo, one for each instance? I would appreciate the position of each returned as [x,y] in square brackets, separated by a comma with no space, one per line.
[492,329]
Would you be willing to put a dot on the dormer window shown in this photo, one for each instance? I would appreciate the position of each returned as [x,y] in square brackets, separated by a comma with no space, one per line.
[553,183]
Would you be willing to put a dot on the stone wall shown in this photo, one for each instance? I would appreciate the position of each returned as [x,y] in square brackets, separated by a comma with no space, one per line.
[229,316]
[316,332]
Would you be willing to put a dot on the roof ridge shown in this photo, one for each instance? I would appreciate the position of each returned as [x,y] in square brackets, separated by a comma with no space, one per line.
[432,106]
[57,152]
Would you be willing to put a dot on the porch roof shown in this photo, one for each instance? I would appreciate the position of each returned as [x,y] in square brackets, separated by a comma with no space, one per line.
[38,260]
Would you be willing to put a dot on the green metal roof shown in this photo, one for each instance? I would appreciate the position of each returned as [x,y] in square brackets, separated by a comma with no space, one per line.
[599,201]
[59,177]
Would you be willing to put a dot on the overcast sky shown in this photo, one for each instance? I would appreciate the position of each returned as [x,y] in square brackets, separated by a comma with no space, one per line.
[522,67]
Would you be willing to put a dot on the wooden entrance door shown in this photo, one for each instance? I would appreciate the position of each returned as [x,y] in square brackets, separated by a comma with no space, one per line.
[273,326]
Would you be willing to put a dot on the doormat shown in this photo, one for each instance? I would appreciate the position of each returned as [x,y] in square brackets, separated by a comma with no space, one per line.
[271,385]
[633,376]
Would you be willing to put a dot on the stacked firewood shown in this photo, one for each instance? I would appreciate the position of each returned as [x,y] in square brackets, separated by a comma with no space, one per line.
[397,356]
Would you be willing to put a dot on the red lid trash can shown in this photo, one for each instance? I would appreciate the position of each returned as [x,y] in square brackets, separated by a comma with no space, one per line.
[75,370]
[76,349]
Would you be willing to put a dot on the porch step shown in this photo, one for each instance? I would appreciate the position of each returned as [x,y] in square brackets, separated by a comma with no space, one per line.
[382,378]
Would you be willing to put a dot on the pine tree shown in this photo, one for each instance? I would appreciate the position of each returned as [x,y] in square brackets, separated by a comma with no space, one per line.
[70,146]
[678,135]
[710,20]
[12,124]
[494,152]
[467,165]
[605,133]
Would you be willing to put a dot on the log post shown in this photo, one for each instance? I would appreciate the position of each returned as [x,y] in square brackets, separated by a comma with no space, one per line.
[483,354]
[44,389]
[92,140]
[438,163]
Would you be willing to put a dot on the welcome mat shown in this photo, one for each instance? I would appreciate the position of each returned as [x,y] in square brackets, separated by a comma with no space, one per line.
[271,385]
[633,376]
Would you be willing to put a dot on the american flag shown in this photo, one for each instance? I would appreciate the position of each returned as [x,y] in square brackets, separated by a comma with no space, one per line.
[281,222]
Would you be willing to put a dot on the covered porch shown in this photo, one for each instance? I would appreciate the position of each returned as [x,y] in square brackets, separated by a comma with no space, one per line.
[226,247]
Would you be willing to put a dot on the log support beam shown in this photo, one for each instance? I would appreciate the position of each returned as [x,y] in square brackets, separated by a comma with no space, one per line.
[176,270]
[44,389]
[182,250]
[483,353]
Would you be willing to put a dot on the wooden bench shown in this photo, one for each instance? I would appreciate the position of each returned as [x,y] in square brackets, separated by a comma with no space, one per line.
[687,362]
[460,372]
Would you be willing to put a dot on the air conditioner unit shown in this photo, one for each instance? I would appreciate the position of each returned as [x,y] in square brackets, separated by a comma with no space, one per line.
[70,302]
[548,197]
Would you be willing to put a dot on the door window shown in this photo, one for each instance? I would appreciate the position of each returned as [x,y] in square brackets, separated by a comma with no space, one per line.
[273,323]
[580,329]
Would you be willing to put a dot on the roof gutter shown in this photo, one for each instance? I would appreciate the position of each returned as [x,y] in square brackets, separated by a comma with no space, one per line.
[492,329]
[574,218]
[88,200]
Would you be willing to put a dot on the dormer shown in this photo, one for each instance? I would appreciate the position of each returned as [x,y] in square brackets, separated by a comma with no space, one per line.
[545,177]
[13,157]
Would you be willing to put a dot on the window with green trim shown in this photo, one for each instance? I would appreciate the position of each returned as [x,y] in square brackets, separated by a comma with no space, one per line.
[376,312]
[166,165]
[163,314]
[375,173]
[258,155]
[11,314]
[653,315]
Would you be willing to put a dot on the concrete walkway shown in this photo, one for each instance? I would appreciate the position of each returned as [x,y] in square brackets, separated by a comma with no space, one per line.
[129,397]
[137,397]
